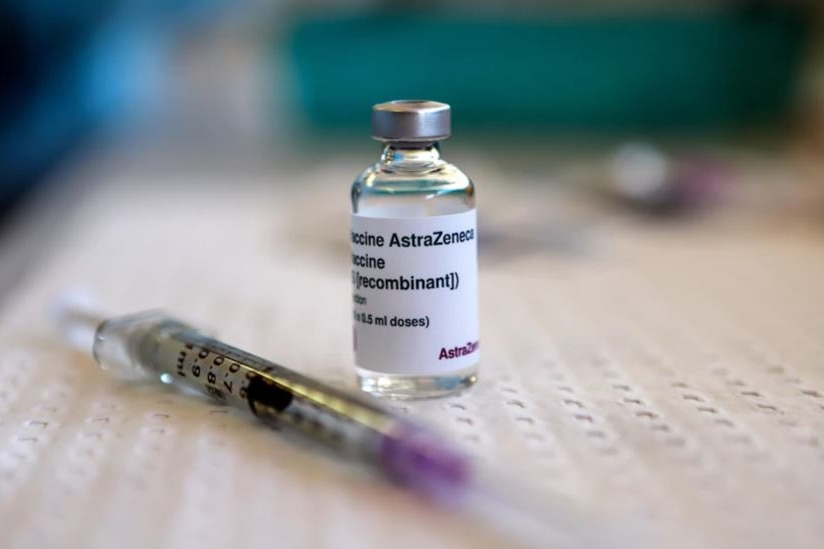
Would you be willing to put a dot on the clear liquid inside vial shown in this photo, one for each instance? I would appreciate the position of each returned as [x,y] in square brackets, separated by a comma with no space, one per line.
[412,180]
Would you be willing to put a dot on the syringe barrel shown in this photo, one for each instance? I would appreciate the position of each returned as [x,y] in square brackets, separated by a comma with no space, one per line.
[153,344]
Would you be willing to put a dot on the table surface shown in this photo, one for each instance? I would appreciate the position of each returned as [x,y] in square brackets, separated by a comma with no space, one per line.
[665,378]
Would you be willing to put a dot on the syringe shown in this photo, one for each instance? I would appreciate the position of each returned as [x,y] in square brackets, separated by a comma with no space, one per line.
[153,345]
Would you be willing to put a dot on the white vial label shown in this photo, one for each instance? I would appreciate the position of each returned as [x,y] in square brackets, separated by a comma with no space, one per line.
[415,293]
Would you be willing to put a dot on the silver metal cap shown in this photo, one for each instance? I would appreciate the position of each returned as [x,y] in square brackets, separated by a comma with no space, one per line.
[411,120]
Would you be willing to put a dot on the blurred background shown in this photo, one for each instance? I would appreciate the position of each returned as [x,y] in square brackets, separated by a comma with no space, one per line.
[650,179]
[657,108]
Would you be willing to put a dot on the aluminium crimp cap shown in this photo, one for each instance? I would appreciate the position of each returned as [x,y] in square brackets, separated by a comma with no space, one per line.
[411,120]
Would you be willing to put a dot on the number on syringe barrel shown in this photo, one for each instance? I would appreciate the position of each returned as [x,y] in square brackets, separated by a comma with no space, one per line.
[217,369]
[234,368]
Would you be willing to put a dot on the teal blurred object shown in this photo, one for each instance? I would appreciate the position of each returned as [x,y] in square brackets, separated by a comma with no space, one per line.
[714,69]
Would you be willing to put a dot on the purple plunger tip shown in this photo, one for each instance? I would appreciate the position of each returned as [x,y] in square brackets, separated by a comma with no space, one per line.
[421,461]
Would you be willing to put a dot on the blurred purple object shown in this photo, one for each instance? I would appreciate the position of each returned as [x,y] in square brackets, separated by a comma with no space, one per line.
[420,461]
[647,179]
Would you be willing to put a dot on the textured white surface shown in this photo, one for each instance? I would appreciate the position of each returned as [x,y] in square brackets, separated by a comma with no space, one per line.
[670,377]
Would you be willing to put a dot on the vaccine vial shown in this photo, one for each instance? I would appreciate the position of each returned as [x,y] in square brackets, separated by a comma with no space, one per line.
[414,260]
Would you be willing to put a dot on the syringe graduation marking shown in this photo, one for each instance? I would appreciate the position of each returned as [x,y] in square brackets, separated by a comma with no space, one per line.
[223,377]
[217,385]
[270,392]
[266,397]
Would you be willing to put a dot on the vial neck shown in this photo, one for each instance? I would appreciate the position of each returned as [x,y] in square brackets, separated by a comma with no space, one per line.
[410,156]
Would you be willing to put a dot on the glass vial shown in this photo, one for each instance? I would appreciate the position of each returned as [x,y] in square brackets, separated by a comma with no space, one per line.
[414,260]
